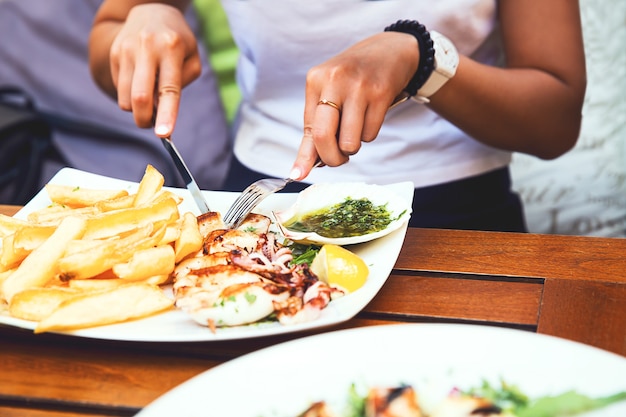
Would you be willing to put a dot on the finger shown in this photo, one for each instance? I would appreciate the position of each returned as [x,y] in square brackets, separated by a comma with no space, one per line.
[168,92]
[373,120]
[325,130]
[122,68]
[350,132]
[307,153]
[142,86]
[191,70]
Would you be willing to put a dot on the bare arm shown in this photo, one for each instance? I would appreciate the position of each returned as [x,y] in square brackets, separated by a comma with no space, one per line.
[533,105]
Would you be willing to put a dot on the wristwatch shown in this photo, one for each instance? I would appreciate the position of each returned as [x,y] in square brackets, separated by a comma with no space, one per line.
[445,65]
[438,62]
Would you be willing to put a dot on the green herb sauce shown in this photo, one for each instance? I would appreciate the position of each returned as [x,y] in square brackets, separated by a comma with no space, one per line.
[352,217]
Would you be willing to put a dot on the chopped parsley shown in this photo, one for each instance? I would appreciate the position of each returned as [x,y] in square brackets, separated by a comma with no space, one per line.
[250,298]
[352,217]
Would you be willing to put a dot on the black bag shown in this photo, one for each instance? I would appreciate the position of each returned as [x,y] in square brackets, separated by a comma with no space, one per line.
[25,140]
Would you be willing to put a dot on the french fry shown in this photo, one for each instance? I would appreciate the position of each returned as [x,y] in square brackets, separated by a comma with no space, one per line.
[163,194]
[37,303]
[52,215]
[48,214]
[118,203]
[159,260]
[118,221]
[76,197]
[86,264]
[9,225]
[158,279]
[95,256]
[40,265]
[16,247]
[32,236]
[172,233]
[96,260]
[96,284]
[127,302]
[83,245]
[190,239]
[11,254]
[149,186]
[5,274]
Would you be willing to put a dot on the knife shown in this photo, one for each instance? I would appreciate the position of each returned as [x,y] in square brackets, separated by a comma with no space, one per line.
[182,168]
[191,183]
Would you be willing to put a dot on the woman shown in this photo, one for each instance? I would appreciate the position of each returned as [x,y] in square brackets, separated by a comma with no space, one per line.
[513,81]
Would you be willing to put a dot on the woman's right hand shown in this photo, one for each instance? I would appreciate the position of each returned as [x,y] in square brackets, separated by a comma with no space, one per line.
[150,53]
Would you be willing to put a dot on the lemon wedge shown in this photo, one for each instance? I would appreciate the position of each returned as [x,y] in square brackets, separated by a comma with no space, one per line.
[337,266]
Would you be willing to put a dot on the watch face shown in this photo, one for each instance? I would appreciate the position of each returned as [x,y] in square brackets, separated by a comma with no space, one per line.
[446,55]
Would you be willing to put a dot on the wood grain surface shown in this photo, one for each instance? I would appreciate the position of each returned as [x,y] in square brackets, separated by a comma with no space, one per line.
[566,286]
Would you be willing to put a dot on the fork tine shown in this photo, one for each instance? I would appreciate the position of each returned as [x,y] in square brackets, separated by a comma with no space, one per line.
[239,206]
[253,195]
[250,198]
[244,210]
[237,218]
[243,203]
[245,194]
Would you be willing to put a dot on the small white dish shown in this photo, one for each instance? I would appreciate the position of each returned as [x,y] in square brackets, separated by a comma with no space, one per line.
[325,195]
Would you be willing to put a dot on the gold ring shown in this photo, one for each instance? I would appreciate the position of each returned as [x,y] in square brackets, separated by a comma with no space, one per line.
[329,103]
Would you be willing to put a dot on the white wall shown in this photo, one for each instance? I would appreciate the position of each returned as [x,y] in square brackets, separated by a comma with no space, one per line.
[584,191]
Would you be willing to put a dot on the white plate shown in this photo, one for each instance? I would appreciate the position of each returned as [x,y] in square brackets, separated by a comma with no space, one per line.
[282,380]
[176,326]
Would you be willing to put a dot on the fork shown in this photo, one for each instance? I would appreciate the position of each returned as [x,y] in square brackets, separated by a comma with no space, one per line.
[252,197]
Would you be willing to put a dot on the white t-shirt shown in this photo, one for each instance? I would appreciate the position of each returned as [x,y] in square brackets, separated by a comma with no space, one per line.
[280,40]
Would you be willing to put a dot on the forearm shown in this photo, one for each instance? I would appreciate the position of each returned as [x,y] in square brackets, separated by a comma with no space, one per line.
[519,109]
[533,105]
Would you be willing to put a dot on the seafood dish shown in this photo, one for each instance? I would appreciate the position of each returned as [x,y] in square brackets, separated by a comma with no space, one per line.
[245,275]
[318,306]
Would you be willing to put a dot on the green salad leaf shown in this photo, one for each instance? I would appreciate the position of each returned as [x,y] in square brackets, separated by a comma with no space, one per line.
[356,403]
[511,400]
[569,403]
[303,254]
[507,397]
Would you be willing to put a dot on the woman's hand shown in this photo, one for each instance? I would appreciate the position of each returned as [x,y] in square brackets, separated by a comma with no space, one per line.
[358,86]
[153,55]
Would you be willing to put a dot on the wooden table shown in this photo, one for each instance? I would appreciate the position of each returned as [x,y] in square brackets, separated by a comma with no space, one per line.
[572,287]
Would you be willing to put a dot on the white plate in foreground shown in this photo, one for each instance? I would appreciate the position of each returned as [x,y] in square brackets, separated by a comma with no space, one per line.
[176,326]
[283,380]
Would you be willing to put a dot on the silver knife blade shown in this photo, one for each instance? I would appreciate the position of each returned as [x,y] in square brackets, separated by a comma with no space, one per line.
[191,183]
